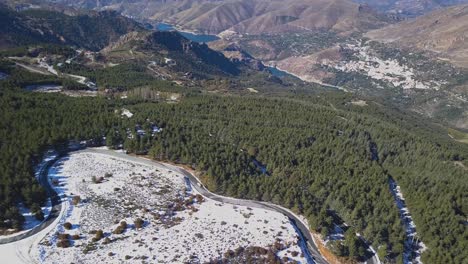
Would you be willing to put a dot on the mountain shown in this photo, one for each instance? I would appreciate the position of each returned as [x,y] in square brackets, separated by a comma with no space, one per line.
[170,48]
[107,44]
[93,30]
[443,32]
[409,8]
[247,16]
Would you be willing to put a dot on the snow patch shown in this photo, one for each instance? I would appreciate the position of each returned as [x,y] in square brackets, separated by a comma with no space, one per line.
[413,246]
[178,224]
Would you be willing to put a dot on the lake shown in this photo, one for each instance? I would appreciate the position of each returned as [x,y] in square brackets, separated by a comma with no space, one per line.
[201,38]
[278,73]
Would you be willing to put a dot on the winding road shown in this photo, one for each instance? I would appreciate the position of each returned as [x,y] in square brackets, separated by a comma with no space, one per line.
[303,231]
[312,253]
[55,201]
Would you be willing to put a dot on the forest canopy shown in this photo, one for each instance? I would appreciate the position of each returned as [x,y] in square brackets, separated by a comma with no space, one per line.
[322,156]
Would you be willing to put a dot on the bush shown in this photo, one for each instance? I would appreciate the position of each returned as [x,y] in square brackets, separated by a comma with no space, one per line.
[75,237]
[63,236]
[76,200]
[99,235]
[97,180]
[37,211]
[67,225]
[121,228]
[63,243]
[139,223]
[106,241]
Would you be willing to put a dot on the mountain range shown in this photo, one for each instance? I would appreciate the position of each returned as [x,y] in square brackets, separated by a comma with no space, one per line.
[443,32]
[246,16]
[93,30]
[409,8]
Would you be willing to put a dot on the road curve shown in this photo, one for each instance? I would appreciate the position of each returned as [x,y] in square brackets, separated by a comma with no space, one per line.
[55,201]
[303,231]
[314,255]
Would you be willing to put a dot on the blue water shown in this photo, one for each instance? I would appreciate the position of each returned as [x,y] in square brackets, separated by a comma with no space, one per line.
[201,38]
[164,27]
[277,72]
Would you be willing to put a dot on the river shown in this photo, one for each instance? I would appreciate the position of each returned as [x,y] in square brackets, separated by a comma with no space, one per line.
[200,38]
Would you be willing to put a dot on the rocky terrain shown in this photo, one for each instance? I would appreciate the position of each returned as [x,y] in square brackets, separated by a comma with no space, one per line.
[443,32]
[252,17]
[409,8]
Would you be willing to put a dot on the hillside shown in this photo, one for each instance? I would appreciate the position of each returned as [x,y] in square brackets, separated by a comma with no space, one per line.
[444,32]
[256,17]
[170,48]
[248,16]
[91,31]
[308,15]
[409,8]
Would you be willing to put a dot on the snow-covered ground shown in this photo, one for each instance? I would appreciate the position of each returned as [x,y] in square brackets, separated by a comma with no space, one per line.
[127,113]
[43,64]
[30,220]
[413,246]
[178,224]
[45,88]
[389,70]
[3,75]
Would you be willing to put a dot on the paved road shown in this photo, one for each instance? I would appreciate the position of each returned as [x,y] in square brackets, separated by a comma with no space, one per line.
[303,231]
[56,205]
[313,255]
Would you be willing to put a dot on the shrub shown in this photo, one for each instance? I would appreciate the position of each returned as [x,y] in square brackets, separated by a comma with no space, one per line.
[99,235]
[63,243]
[68,225]
[106,241]
[121,228]
[200,198]
[37,211]
[63,236]
[97,180]
[139,223]
[76,200]
[198,235]
[75,237]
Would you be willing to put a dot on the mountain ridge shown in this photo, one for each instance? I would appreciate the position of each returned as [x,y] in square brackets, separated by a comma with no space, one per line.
[442,32]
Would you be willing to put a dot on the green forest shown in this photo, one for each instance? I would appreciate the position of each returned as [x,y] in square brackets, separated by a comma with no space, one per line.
[323,156]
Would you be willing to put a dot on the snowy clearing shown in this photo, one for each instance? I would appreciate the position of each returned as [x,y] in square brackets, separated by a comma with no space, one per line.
[3,75]
[127,113]
[413,246]
[166,221]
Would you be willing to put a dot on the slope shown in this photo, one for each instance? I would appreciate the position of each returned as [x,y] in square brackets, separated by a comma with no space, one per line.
[444,32]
